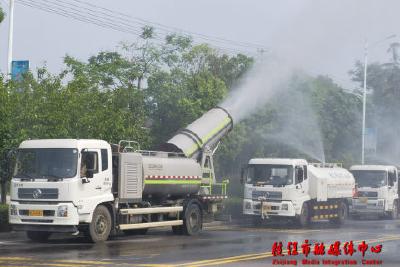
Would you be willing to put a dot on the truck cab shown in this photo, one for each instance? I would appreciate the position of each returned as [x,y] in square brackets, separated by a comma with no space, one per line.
[57,183]
[377,190]
[275,187]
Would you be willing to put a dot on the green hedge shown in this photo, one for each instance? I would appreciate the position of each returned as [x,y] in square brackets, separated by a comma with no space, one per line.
[4,226]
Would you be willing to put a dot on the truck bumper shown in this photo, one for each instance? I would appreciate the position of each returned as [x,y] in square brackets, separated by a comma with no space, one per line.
[46,228]
[47,215]
[269,209]
[362,206]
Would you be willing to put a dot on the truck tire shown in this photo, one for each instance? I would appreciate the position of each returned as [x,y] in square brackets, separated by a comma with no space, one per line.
[304,217]
[136,231]
[38,236]
[192,220]
[100,227]
[394,215]
[342,214]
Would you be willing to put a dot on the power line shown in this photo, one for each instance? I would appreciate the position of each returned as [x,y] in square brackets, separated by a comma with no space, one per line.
[79,17]
[103,19]
[171,29]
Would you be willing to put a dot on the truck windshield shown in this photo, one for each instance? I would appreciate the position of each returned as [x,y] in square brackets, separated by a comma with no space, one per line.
[46,163]
[366,178]
[275,175]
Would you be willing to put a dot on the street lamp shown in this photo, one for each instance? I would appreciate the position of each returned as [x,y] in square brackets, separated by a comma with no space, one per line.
[365,92]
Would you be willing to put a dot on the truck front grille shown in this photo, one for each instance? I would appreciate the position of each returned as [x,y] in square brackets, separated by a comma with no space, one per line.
[37,193]
[367,194]
[266,194]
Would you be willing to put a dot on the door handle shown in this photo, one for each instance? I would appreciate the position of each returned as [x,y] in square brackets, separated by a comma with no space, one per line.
[98,188]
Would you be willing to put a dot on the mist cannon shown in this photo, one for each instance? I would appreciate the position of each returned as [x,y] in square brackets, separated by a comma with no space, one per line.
[204,133]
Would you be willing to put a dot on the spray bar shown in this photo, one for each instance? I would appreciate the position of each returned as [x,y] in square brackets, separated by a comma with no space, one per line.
[203,133]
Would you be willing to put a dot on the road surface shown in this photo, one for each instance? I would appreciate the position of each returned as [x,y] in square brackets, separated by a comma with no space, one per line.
[218,245]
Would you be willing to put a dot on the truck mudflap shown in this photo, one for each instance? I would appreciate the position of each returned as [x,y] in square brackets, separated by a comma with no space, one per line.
[46,228]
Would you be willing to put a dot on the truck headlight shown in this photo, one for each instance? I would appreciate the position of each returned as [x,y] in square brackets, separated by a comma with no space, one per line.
[13,209]
[381,203]
[285,206]
[62,211]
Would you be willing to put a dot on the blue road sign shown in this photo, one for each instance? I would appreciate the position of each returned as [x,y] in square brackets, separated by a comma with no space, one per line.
[18,68]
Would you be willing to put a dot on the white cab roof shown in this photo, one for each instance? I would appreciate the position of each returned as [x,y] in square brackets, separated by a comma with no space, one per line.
[372,168]
[278,161]
[64,143]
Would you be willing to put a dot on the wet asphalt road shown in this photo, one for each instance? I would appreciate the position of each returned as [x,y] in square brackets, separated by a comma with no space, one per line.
[218,245]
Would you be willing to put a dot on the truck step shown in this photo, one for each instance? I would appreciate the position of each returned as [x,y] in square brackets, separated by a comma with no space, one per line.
[139,211]
[150,225]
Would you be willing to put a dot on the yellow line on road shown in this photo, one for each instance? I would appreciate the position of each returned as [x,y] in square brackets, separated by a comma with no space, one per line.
[248,257]
[52,262]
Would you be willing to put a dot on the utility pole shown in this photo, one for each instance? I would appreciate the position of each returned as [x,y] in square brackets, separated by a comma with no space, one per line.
[365,92]
[10,37]
[364,102]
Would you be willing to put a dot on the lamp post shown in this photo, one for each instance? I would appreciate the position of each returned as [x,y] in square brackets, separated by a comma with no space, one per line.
[10,37]
[365,92]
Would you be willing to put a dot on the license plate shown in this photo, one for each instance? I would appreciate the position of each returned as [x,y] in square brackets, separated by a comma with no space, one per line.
[266,207]
[36,213]
[363,199]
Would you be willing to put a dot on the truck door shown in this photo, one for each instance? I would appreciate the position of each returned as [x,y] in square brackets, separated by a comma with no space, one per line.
[301,181]
[95,186]
[392,187]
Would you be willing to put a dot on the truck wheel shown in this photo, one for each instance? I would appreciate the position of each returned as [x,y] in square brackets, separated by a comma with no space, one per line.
[100,227]
[192,221]
[136,231]
[304,217]
[38,236]
[342,214]
[395,211]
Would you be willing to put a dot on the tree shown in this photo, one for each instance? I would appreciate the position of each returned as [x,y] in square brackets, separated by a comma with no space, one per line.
[1,15]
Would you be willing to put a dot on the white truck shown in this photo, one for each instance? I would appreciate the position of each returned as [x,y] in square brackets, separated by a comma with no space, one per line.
[293,188]
[377,191]
[72,185]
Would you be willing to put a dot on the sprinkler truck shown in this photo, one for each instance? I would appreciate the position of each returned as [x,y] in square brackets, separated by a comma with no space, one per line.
[293,188]
[90,186]
[377,191]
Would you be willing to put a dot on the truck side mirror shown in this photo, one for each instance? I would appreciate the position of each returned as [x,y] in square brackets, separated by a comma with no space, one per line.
[89,174]
[243,174]
[299,174]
